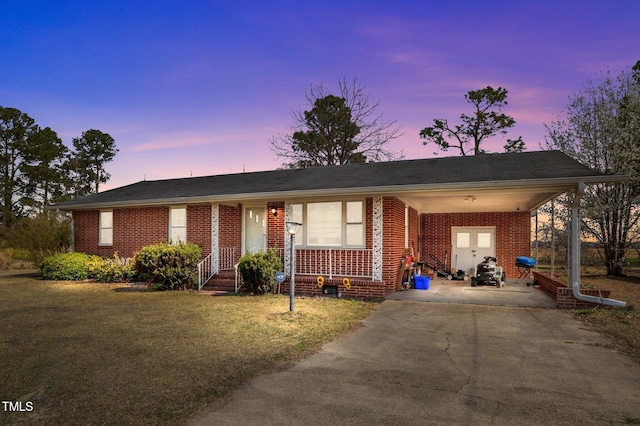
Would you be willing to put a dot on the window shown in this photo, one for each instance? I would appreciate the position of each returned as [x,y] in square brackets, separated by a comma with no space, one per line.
[463,240]
[177,225]
[324,224]
[355,230]
[296,216]
[330,224]
[106,228]
[484,240]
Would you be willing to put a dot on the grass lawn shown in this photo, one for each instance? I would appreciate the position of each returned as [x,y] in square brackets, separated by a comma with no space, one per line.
[87,353]
[622,324]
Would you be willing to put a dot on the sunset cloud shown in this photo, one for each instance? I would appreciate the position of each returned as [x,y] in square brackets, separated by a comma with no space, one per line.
[192,89]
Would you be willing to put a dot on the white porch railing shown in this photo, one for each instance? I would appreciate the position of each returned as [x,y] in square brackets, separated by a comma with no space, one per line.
[227,258]
[330,262]
[327,262]
[206,270]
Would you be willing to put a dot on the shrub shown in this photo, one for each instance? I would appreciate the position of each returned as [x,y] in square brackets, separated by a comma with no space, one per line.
[68,266]
[15,259]
[41,236]
[259,269]
[112,270]
[170,266]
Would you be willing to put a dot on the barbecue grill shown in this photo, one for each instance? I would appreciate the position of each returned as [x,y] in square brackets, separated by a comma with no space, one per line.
[524,265]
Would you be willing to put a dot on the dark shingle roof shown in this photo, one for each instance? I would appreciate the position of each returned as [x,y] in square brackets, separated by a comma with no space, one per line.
[430,173]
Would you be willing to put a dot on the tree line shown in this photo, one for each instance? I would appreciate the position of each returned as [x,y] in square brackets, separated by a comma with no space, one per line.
[37,169]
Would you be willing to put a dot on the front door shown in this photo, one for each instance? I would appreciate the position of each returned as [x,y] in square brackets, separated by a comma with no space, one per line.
[470,245]
[255,225]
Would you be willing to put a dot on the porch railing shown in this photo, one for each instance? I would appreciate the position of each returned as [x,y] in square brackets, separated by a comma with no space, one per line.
[327,262]
[227,258]
[206,270]
[330,262]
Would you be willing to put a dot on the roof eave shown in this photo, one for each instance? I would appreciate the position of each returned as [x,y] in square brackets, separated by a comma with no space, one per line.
[568,183]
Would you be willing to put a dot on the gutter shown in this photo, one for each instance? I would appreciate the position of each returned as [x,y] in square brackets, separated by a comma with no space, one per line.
[575,256]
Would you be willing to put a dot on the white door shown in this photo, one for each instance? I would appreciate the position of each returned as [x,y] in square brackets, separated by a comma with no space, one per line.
[470,244]
[255,225]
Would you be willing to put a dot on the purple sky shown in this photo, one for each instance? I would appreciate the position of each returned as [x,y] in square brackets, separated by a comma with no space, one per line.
[200,87]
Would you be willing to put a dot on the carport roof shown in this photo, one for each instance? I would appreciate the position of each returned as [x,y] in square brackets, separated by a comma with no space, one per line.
[543,173]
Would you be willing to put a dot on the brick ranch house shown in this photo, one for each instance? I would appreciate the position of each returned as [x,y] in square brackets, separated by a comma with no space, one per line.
[358,220]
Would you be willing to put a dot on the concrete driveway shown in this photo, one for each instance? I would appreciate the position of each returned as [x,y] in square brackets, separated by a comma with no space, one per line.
[451,291]
[422,363]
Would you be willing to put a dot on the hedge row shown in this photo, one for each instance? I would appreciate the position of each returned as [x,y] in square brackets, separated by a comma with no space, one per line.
[162,266]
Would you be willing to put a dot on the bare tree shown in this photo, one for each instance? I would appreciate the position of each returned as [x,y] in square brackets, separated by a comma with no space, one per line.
[602,130]
[337,129]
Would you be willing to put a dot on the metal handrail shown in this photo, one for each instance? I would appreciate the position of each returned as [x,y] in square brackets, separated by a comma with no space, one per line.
[206,270]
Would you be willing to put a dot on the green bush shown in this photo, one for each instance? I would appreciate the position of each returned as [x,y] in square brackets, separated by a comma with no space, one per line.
[169,266]
[68,266]
[113,270]
[258,271]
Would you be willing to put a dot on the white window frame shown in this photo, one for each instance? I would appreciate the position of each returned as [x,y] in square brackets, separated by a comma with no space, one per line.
[173,226]
[302,238]
[102,227]
[359,223]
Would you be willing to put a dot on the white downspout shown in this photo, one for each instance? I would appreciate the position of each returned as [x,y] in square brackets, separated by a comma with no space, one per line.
[575,256]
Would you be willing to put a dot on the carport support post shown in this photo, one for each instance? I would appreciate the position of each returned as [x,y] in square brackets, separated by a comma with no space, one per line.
[575,237]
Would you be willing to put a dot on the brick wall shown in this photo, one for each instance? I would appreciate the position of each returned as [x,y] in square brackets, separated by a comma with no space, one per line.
[275,225]
[230,228]
[136,227]
[86,225]
[393,236]
[564,295]
[199,226]
[363,289]
[513,234]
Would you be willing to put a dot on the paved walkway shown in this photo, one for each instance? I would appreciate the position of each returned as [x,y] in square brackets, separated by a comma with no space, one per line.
[417,363]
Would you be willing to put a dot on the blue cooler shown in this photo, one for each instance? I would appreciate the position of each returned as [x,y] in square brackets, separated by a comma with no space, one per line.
[422,283]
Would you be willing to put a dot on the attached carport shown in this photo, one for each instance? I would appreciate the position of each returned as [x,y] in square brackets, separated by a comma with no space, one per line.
[496,185]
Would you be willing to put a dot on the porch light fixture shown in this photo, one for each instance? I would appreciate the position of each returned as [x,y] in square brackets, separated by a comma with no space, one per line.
[470,198]
[274,212]
[292,228]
